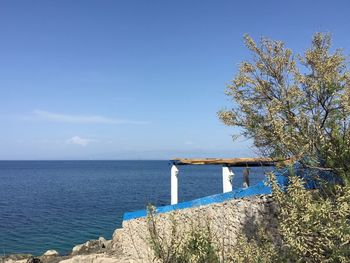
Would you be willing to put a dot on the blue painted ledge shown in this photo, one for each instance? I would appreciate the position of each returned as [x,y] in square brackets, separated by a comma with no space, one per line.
[312,178]
[261,188]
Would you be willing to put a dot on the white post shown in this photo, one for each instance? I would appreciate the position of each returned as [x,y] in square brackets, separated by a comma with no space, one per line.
[174,184]
[246,177]
[227,177]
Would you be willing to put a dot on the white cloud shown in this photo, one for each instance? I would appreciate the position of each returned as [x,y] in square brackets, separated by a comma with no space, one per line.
[189,143]
[83,119]
[78,141]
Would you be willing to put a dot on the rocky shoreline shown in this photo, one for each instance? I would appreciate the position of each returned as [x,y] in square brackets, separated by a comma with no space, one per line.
[97,246]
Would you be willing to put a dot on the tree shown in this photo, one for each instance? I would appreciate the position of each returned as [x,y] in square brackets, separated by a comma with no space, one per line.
[294,106]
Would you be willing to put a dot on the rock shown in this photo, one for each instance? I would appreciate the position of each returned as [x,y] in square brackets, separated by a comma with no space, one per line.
[91,246]
[51,253]
[101,239]
[33,260]
[108,244]
[16,257]
[97,258]
[3,260]
[77,249]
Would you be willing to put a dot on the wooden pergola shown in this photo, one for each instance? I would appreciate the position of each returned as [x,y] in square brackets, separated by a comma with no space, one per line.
[227,173]
[238,162]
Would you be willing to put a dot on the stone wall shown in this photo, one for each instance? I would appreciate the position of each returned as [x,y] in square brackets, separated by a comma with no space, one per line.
[226,221]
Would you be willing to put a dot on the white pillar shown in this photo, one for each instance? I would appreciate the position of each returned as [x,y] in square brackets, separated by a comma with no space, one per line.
[227,178]
[174,184]
[246,177]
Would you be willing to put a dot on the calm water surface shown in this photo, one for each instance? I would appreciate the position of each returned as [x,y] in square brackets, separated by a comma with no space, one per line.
[57,204]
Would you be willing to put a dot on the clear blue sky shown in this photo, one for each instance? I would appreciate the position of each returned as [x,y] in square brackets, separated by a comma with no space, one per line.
[136,79]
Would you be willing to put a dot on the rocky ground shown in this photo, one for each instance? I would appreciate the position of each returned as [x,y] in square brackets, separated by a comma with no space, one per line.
[89,251]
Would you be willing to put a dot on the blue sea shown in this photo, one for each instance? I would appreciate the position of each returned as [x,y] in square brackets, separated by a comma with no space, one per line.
[58,204]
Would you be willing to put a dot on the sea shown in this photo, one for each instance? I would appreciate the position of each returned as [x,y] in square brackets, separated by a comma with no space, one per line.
[58,204]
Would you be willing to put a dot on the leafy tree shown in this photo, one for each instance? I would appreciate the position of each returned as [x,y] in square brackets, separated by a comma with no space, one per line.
[294,106]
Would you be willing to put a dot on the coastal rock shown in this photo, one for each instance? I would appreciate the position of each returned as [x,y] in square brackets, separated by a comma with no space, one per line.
[91,246]
[15,258]
[33,260]
[8,260]
[97,258]
[51,253]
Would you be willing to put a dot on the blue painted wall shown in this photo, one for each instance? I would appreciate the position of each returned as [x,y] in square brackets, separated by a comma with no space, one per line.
[261,188]
[312,178]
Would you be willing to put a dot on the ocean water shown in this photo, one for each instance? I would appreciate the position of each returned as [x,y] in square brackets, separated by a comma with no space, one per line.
[58,204]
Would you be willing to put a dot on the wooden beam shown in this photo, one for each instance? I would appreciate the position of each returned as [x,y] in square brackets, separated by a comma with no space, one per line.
[258,161]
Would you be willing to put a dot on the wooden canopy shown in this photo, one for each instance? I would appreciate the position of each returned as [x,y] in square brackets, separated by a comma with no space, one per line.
[227,161]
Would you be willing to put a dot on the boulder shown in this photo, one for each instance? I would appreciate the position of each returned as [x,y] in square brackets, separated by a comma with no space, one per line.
[51,253]
[20,258]
[16,257]
[33,260]
[91,246]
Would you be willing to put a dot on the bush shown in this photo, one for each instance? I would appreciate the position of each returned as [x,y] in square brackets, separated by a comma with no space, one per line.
[294,106]
[178,245]
[298,107]
[260,249]
[313,226]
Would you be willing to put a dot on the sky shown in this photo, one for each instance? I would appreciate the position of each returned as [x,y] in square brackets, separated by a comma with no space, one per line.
[86,80]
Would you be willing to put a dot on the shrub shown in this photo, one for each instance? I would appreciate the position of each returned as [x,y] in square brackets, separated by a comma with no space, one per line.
[195,245]
[294,106]
[315,227]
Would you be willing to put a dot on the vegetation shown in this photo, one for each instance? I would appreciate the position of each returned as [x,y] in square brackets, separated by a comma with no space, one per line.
[313,228]
[180,246]
[296,107]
